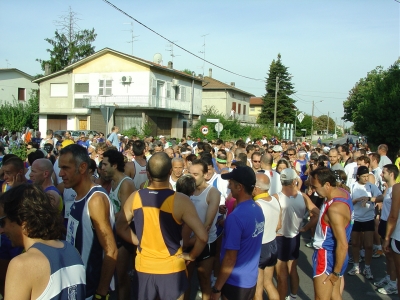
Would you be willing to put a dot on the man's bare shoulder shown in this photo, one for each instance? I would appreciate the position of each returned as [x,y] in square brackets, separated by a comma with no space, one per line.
[30,260]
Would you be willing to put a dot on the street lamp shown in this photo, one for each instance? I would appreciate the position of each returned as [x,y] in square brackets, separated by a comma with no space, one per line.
[312,120]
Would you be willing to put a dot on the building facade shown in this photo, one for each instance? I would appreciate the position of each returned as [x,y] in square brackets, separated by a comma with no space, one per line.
[138,93]
[15,86]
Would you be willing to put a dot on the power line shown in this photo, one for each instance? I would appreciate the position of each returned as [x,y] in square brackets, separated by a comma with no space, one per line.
[301,99]
[321,97]
[160,35]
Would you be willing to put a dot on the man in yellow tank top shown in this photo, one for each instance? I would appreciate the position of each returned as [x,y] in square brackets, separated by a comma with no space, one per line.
[159,213]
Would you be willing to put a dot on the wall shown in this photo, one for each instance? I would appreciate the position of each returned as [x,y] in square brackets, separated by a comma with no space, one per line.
[10,81]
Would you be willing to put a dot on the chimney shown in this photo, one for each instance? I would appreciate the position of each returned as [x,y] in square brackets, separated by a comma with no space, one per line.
[200,76]
[170,65]
[210,72]
[47,70]
[232,84]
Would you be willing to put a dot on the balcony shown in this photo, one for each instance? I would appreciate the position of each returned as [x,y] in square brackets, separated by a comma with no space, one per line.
[148,102]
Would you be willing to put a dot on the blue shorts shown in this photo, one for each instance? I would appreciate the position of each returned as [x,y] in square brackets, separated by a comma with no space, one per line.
[324,262]
[268,255]
[288,248]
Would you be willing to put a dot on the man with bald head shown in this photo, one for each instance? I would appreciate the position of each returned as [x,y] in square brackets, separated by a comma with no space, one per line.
[274,177]
[41,172]
[269,251]
[159,214]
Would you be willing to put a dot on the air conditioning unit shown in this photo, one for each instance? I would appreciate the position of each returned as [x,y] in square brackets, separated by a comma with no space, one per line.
[129,79]
[175,82]
[123,79]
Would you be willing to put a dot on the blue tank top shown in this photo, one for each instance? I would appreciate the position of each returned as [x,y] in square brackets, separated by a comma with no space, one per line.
[81,234]
[67,273]
[324,237]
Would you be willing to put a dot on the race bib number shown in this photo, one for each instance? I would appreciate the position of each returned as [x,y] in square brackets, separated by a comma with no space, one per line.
[71,230]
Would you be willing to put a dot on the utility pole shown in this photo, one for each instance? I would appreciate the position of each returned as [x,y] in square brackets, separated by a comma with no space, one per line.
[276,99]
[295,121]
[327,127]
[312,122]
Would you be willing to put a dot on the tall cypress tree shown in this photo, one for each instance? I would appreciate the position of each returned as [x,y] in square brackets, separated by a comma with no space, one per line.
[285,105]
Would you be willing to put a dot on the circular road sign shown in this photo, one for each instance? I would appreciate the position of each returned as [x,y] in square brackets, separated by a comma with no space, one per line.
[204,130]
[219,127]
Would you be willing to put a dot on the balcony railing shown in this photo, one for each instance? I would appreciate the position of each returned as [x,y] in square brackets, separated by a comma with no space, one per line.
[136,101]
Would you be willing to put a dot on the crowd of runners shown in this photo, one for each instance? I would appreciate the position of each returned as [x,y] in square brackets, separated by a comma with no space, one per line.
[97,216]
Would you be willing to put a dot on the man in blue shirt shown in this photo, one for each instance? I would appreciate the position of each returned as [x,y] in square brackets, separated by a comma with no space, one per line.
[241,244]
[113,138]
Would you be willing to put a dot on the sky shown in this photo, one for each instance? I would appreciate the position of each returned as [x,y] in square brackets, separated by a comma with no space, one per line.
[328,46]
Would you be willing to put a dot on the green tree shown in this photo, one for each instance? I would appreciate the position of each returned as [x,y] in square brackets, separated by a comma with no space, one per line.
[188,71]
[69,44]
[375,106]
[321,123]
[305,124]
[285,105]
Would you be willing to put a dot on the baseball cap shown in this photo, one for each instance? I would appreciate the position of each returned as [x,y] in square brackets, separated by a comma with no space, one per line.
[326,149]
[288,174]
[277,148]
[161,136]
[242,174]
[362,170]
[66,143]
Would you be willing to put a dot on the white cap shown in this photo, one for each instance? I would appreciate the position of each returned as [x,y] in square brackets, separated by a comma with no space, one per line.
[288,174]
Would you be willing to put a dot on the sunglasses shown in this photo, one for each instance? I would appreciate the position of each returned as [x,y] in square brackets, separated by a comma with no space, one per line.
[2,221]
[256,161]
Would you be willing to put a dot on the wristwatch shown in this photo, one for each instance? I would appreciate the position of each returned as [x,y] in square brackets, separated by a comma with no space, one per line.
[215,291]
[336,274]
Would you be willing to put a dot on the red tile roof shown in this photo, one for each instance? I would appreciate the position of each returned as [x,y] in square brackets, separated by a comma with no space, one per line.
[256,101]
[210,83]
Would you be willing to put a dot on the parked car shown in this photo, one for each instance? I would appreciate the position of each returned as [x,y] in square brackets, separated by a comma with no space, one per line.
[76,133]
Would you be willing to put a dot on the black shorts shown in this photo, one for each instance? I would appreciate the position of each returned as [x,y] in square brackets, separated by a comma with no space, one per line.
[162,286]
[288,248]
[210,250]
[382,229]
[269,255]
[232,292]
[364,226]
[122,243]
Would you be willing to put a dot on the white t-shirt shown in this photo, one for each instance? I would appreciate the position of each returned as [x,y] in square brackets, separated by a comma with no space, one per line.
[275,185]
[387,203]
[364,213]
[351,172]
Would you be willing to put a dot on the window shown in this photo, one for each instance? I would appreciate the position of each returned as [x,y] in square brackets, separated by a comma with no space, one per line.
[21,94]
[168,90]
[105,87]
[81,87]
[177,92]
[252,108]
[233,95]
[183,93]
[58,89]
[239,108]
[244,109]
[153,87]
[234,106]
[81,102]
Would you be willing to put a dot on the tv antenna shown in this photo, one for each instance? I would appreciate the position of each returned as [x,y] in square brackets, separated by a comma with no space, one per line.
[171,49]
[132,36]
[7,63]
[204,51]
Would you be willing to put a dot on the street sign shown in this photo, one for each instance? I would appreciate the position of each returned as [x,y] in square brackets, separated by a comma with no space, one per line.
[204,129]
[300,116]
[107,112]
[213,120]
[219,127]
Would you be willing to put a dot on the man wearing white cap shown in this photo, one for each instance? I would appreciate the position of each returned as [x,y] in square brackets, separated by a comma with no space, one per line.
[294,205]
[276,154]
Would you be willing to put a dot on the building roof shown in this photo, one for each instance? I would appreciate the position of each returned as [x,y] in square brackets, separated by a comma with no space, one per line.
[18,71]
[127,56]
[256,101]
[210,83]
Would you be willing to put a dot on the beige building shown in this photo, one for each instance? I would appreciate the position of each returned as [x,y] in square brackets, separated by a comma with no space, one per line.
[15,86]
[256,104]
[226,99]
[136,93]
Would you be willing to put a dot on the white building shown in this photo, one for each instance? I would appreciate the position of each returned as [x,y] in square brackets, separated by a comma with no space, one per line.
[15,86]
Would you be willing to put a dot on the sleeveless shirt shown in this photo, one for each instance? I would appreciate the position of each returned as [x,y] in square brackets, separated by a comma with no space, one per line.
[140,174]
[293,211]
[271,210]
[114,195]
[158,232]
[81,234]
[324,237]
[67,273]
[60,203]
[201,205]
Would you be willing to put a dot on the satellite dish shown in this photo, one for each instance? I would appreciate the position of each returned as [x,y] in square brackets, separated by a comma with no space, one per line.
[157,58]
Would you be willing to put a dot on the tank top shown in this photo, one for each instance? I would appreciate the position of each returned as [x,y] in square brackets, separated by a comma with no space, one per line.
[293,211]
[158,232]
[201,205]
[81,234]
[140,174]
[324,237]
[172,183]
[387,204]
[271,210]
[67,273]
[114,195]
